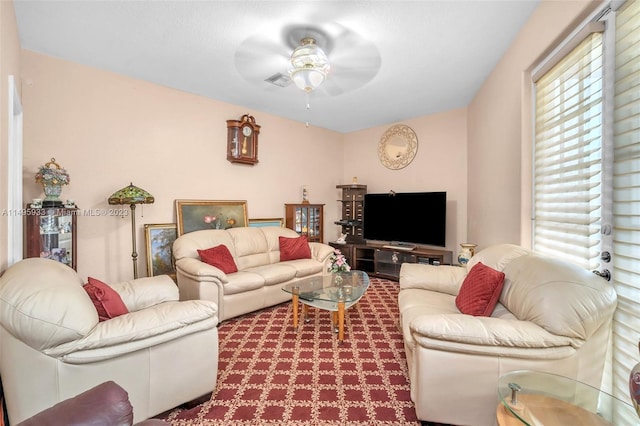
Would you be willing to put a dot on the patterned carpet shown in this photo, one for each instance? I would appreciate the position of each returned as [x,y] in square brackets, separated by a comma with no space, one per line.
[270,374]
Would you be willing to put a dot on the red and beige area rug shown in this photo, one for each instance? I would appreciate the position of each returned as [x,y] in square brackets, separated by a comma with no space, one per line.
[271,374]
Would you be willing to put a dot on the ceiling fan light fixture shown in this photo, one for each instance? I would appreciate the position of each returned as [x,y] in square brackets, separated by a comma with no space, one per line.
[309,65]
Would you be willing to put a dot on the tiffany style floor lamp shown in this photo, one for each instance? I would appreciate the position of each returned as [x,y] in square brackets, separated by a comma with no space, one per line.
[132,195]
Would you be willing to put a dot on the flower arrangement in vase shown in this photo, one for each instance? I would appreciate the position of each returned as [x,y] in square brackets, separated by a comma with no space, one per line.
[338,262]
[337,266]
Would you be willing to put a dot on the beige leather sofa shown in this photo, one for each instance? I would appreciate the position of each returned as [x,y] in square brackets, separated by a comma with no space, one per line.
[551,316]
[260,277]
[52,347]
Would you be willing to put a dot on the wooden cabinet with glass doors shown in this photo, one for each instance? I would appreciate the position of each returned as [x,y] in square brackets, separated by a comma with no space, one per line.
[305,219]
[51,233]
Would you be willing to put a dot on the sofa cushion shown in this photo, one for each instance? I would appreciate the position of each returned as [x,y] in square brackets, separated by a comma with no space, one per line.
[220,257]
[305,267]
[187,245]
[277,273]
[497,256]
[415,303]
[561,297]
[242,281]
[251,247]
[141,293]
[30,288]
[106,300]
[294,248]
[480,290]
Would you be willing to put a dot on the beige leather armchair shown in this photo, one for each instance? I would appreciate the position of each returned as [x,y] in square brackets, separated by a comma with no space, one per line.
[551,316]
[52,347]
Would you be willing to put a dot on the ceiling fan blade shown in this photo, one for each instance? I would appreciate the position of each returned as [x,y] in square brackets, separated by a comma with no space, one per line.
[331,88]
[361,55]
[346,80]
[260,47]
[349,73]
[258,58]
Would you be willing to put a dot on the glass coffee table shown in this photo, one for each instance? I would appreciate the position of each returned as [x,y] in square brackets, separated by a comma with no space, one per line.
[536,398]
[335,292]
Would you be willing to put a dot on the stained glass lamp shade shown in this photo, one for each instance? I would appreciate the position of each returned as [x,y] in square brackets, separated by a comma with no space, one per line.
[132,195]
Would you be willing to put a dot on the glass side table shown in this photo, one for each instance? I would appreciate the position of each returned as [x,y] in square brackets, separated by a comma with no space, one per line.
[536,398]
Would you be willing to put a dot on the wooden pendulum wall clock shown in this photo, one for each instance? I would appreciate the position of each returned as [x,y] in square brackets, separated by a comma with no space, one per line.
[242,140]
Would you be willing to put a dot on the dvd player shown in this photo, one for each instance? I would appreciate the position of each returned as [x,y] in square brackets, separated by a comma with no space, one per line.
[404,247]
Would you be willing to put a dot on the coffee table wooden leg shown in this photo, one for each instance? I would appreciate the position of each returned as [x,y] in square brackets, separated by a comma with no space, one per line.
[305,313]
[294,300]
[340,321]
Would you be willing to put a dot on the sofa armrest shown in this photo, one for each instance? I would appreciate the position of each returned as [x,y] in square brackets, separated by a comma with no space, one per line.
[488,335]
[200,271]
[442,279]
[320,251]
[139,330]
[142,293]
[105,404]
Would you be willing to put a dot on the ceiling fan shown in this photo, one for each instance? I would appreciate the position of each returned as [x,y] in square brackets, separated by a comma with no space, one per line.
[266,59]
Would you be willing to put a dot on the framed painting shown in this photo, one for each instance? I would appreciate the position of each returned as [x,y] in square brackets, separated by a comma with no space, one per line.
[159,239]
[196,215]
[275,221]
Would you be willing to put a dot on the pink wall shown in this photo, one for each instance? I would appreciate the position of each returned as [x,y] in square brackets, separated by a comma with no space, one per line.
[440,164]
[499,130]
[108,130]
[9,65]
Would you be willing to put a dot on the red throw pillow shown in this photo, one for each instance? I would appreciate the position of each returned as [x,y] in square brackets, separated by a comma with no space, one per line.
[107,301]
[480,291]
[220,257]
[294,248]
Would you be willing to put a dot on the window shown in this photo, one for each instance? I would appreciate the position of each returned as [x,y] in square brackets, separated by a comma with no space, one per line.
[626,195]
[568,155]
[573,191]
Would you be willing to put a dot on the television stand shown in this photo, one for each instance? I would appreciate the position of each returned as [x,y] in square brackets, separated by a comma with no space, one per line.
[378,260]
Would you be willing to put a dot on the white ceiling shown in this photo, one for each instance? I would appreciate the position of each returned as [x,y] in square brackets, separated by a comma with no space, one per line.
[390,60]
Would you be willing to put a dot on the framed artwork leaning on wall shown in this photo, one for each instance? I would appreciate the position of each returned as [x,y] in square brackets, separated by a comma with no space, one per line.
[196,215]
[274,221]
[159,240]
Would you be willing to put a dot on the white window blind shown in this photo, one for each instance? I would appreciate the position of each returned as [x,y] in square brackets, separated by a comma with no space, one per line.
[626,196]
[568,154]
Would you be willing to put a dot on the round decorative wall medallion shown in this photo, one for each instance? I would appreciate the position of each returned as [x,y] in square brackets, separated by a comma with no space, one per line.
[397,147]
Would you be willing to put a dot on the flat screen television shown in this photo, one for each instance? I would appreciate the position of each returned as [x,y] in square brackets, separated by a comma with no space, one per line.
[406,217]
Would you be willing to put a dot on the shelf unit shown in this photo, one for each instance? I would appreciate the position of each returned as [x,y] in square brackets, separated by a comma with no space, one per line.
[51,233]
[306,219]
[380,261]
[352,210]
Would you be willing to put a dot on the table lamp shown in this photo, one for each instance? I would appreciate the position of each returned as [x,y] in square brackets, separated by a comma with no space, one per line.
[132,195]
